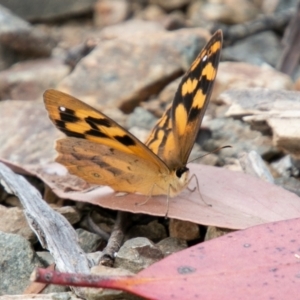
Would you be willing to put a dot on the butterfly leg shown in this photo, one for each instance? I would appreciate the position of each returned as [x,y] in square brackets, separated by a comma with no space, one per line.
[150,195]
[168,202]
[198,188]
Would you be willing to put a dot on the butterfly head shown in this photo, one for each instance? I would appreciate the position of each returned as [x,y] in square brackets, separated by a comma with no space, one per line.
[180,181]
[182,172]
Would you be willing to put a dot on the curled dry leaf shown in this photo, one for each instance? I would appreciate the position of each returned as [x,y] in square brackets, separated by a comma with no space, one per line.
[237,200]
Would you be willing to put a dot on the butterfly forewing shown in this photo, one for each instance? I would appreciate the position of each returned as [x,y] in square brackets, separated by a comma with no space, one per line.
[77,119]
[174,135]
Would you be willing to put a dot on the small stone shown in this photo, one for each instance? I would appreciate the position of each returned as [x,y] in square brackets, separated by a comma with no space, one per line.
[141,118]
[45,258]
[140,133]
[110,12]
[227,11]
[129,28]
[13,201]
[227,131]
[291,184]
[69,212]
[184,230]
[28,80]
[171,245]
[283,166]
[150,63]
[12,220]
[286,133]
[30,138]
[170,4]
[88,241]
[174,21]
[264,47]
[49,11]
[137,254]
[152,12]
[153,231]
[19,36]
[17,261]
[238,75]
[214,232]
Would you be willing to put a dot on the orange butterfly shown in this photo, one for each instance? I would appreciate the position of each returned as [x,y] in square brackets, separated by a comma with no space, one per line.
[102,152]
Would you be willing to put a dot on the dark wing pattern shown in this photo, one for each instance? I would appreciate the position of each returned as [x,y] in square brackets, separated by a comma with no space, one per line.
[174,135]
[77,119]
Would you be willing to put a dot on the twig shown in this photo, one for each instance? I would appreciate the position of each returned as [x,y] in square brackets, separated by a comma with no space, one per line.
[104,235]
[291,53]
[266,22]
[115,240]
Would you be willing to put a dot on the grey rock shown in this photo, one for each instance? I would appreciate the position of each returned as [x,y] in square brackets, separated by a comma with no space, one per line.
[260,48]
[70,213]
[142,118]
[150,64]
[184,230]
[286,4]
[17,261]
[240,137]
[38,10]
[28,80]
[291,184]
[88,241]
[12,220]
[137,254]
[18,35]
[283,166]
[214,232]
[45,258]
[171,245]
[154,231]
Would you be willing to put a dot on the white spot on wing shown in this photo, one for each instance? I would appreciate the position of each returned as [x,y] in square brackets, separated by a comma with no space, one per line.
[62,108]
[204,58]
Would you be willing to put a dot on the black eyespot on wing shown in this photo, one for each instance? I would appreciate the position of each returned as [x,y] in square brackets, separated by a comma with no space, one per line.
[68,115]
[125,140]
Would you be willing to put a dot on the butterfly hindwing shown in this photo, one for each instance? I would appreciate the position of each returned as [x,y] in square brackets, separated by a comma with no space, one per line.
[174,135]
[103,165]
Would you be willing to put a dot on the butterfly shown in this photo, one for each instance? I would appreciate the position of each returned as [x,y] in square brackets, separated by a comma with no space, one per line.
[101,152]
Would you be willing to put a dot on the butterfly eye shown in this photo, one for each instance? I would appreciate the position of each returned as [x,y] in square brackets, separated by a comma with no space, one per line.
[181,171]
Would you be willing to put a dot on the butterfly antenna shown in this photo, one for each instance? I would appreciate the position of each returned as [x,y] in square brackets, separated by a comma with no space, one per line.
[198,189]
[214,151]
